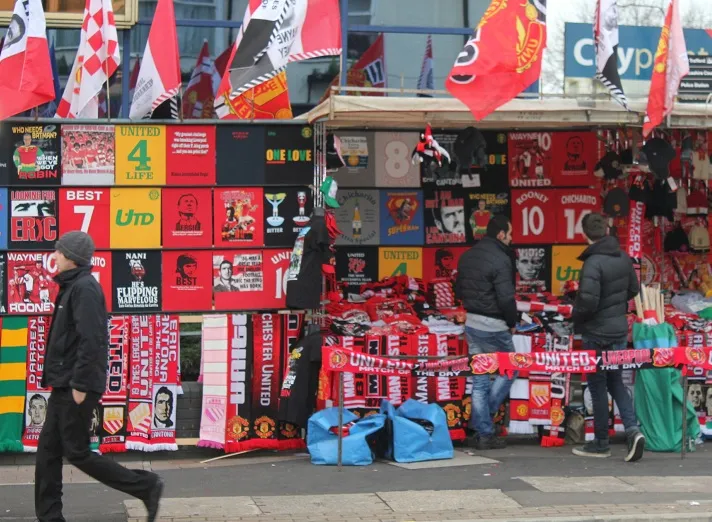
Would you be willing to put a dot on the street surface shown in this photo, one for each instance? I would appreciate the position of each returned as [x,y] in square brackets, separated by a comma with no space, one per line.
[522,482]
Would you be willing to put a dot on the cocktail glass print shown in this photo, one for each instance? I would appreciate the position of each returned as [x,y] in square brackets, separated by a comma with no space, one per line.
[275,220]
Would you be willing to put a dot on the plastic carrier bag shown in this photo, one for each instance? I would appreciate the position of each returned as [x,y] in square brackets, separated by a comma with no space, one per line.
[323,438]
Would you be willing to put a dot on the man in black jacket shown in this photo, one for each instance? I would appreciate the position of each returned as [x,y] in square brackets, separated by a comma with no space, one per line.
[485,285]
[606,284]
[75,368]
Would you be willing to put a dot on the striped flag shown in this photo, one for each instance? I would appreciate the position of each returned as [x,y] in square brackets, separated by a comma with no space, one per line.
[276,33]
[97,59]
[159,77]
[425,80]
[605,36]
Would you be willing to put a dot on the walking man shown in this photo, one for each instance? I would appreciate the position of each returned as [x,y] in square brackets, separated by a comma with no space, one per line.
[485,285]
[75,368]
[607,282]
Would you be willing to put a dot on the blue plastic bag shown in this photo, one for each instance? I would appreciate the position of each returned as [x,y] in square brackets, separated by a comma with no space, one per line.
[323,443]
[412,442]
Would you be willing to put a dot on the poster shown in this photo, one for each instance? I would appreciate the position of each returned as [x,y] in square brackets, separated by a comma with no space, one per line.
[101,270]
[565,266]
[289,155]
[572,205]
[441,262]
[88,210]
[533,216]
[400,261]
[357,149]
[286,213]
[246,142]
[31,288]
[238,219]
[190,155]
[135,220]
[356,266]
[136,277]
[276,266]
[33,219]
[490,199]
[3,282]
[239,280]
[533,267]
[358,217]
[392,157]
[575,157]
[187,217]
[88,155]
[530,159]
[444,216]
[140,155]
[32,154]
[187,280]
[4,218]
[401,217]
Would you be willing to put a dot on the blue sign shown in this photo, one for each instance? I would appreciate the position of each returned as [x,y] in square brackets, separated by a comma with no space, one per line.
[402,221]
[636,50]
[4,225]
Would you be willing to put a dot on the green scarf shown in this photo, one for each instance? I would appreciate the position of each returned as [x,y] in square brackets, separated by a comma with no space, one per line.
[13,354]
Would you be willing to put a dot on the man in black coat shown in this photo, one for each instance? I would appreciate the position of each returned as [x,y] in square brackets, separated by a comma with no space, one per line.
[606,284]
[75,368]
[485,284]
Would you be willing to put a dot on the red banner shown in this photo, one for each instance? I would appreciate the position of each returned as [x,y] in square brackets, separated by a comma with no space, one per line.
[110,419]
[694,357]
[37,396]
[165,383]
[239,376]
[140,382]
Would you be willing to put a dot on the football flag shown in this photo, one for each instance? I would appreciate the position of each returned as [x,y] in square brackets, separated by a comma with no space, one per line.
[368,71]
[200,92]
[425,80]
[275,34]
[25,67]
[267,101]
[670,66]
[605,37]
[502,58]
[159,77]
[97,59]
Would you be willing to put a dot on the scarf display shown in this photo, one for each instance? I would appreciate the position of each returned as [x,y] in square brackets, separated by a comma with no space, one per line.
[699,386]
[213,368]
[37,396]
[13,357]
[108,428]
[140,382]
[448,392]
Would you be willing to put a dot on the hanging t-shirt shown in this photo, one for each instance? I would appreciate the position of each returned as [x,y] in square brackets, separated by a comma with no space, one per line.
[298,395]
[311,251]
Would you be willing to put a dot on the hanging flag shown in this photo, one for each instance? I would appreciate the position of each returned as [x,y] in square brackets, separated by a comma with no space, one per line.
[425,80]
[25,68]
[267,101]
[159,77]
[200,93]
[277,33]
[97,59]
[502,58]
[48,109]
[368,71]
[134,77]
[670,66]
[605,37]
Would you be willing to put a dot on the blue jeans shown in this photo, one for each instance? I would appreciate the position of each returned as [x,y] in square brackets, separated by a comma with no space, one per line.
[603,382]
[488,395]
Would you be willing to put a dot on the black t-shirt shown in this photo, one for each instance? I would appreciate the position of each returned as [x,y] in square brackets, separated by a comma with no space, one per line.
[298,394]
[311,251]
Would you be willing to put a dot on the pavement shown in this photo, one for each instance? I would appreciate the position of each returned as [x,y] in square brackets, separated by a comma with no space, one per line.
[521,483]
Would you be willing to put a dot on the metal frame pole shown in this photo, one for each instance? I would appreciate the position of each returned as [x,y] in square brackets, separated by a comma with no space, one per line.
[125,73]
[339,453]
[683,447]
[343,62]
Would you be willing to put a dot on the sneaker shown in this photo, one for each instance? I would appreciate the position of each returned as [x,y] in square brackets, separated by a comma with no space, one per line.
[490,443]
[636,446]
[153,500]
[593,449]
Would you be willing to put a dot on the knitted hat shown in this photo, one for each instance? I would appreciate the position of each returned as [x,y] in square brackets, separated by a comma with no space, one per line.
[616,203]
[699,239]
[696,203]
[676,240]
[328,189]
[610,163]
[76,246]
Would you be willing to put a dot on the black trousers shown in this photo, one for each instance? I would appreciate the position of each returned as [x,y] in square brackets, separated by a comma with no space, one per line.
[66,434]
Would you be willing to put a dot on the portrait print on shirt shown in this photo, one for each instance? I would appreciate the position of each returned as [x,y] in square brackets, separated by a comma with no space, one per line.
[32,155]
[444,215]
[533,265]
[187,217]
[33,219]
[137,280]
[187,280]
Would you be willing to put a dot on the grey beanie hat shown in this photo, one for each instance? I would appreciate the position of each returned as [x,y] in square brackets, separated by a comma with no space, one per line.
[77,246]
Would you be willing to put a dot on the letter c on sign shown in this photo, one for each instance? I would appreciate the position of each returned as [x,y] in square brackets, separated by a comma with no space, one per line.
[578,52]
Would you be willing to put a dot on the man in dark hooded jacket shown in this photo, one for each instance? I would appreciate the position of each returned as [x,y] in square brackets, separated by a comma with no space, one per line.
[607,282]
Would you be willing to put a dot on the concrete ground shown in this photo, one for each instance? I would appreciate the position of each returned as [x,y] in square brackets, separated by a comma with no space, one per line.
[522,482]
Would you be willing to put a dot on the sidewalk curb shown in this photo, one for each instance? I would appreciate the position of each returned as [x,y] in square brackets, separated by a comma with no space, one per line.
[683,517]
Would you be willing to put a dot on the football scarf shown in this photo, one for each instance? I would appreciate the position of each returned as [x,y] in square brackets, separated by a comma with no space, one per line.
[140,383]
[165,383]
[37,397]
[448,391]
[239,377]
[213,369]
[289,435]
[108,429]
[13,356]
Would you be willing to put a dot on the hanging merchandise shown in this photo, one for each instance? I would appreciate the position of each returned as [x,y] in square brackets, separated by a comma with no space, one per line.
[428,150]
[659,154]
[13,354]
[37,395]
[334,159]
[110,416]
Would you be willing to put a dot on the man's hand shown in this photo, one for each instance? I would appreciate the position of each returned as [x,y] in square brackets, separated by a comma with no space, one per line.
[78,396]
[513,330]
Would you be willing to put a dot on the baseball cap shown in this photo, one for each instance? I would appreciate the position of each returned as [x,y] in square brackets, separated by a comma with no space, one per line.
[328,189]
[659,154]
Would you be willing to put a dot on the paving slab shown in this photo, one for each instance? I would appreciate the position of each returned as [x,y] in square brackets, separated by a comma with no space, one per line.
[353,504]
[578,484]
[453,500]
[459,459]
[695,484]
[195,508]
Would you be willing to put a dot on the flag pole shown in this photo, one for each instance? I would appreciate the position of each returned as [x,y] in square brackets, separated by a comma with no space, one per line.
[108,90]
[180,112]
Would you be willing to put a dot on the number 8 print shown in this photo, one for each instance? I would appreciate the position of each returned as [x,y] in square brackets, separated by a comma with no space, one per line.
[397,159]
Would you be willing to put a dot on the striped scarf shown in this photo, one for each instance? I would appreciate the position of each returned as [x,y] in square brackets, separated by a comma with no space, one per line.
[13,353]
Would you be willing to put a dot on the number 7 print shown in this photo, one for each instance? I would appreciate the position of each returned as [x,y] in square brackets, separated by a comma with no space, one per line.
[87,212]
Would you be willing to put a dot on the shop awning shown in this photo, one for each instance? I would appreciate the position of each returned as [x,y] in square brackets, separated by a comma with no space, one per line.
[411,112]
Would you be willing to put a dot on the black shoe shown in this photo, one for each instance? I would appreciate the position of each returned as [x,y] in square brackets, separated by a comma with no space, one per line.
[153,500]
[593,449]
[490,443]
[636,446]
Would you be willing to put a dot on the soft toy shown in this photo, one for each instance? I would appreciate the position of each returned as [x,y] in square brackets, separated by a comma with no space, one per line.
[428,149]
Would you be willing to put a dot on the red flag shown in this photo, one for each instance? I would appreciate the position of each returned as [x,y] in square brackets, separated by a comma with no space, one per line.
[25,67]
[367,71]
[198,95]
[159,77]
[502,58]
[669,68]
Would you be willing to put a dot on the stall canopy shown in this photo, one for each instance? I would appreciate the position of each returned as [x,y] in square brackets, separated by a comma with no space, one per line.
[342,111]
